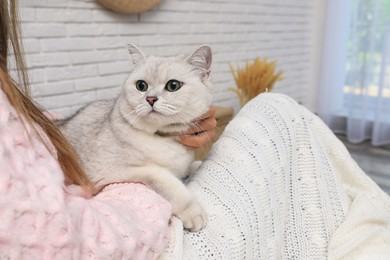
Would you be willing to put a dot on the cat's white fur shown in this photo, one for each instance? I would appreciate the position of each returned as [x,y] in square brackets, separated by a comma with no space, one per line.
[120,140]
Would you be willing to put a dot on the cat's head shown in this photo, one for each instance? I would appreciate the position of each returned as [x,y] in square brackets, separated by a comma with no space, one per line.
[167,93]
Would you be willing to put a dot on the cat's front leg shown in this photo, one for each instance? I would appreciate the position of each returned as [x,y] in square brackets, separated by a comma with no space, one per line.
[192,214]
[184,205]
[194,166]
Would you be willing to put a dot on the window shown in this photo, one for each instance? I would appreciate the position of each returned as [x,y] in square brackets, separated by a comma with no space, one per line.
[355,87]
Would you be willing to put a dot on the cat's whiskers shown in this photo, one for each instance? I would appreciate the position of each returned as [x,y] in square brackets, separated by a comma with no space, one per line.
[184,116]
[136,116]
[140,109]
[167,109]
[178,120]
[123,116]
[216,128]
[192,124]
[196,126]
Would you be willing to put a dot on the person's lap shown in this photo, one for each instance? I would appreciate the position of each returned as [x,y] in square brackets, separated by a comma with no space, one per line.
[270,187]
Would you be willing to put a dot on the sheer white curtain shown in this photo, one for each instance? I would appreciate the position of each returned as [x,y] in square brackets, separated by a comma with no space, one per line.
[355,85]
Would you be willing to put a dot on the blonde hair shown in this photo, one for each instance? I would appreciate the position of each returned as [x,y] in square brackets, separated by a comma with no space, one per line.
[19,96]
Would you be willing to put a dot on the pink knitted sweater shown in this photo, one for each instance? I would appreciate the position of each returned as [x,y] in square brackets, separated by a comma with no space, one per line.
[40,218]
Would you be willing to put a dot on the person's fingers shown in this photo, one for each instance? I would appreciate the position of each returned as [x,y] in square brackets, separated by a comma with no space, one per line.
[203,125]
[194,142]
[202,131]
[205,122]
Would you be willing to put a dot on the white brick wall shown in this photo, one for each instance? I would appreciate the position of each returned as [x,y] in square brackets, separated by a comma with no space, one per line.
[76,50]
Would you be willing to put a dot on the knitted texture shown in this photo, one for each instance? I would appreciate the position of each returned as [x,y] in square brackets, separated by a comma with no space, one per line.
[42,219]
[279,185]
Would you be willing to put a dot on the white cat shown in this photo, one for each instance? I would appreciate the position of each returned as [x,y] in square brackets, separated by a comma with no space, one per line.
[121,140]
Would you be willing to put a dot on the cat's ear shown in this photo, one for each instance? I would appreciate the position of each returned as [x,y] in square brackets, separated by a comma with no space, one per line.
[201,59]
[136,55]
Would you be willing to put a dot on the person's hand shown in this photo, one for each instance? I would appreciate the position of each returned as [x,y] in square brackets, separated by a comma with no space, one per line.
[202,131]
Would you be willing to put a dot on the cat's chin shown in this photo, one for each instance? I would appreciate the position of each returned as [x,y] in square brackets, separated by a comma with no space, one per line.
[173,128]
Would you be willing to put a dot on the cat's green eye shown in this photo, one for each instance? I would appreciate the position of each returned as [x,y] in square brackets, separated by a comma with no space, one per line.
[173,85]
[141,85]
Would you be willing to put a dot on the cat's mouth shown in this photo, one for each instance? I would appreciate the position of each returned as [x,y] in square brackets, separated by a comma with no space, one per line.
[153,112]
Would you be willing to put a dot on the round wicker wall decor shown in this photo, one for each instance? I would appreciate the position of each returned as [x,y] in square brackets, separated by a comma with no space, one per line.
[129,6]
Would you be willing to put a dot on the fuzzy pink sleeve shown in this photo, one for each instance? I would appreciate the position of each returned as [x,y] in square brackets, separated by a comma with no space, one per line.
[41,219]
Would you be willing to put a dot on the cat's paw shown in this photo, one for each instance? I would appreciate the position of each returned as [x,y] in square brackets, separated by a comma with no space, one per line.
[193,216]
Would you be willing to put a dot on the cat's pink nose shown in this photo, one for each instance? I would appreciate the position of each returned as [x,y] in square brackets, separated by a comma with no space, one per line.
[151,100]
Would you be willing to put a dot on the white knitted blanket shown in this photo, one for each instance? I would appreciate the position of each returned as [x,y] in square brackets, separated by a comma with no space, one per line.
[279,185]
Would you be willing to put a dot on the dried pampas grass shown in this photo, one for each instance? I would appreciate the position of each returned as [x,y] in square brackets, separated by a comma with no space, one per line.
[255,78]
